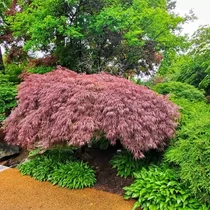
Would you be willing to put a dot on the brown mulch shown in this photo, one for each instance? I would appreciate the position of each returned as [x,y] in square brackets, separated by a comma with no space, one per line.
[106,176]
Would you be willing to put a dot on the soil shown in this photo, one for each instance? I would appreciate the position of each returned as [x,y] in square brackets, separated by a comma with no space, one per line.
[106,176]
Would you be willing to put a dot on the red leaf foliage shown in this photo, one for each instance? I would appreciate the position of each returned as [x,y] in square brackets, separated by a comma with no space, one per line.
[65,107]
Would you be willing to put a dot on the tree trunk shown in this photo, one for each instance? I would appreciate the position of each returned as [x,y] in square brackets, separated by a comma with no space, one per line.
[2,68]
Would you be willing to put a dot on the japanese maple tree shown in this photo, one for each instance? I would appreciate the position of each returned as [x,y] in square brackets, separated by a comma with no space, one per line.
[65,107]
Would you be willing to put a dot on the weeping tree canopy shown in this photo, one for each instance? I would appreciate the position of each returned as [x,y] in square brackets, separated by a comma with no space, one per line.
[65,107]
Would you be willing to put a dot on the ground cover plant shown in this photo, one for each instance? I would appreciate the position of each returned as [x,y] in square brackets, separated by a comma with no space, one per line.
[65,107]
[158,187]
[126,164]
[60,167]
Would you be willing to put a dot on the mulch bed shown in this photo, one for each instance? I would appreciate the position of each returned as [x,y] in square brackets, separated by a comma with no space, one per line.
[106,176]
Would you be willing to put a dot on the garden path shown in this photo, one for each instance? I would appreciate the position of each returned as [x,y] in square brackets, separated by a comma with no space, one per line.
[23,192]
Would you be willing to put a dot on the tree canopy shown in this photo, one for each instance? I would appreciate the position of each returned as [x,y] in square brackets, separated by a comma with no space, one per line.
[118,36]
[193,66]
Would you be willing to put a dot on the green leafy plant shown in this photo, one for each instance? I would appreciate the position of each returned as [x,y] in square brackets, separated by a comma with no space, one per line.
[59,166]
[180,90]
[39,168]
[159,188]
[7,96]
[190,150]
[73,175]
[35,152]
[125,163]
[40,69]
[13,71]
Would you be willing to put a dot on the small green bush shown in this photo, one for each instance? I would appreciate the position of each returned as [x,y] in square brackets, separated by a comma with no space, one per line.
[7,96]
[60,167]
[73,175]
[39,168]
[180,90]
[159,188]
[40,69]
[13,71]
[125,164]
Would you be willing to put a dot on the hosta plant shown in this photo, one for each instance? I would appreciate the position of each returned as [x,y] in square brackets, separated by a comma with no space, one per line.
[59,167]
[126,165]
[73,175]
[65,107]
[39,168]
[159,188]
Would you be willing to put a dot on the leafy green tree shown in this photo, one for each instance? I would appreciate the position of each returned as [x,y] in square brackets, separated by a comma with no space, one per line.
[7,96]
[3,7]
[194,66]
[12,45]
[117,36]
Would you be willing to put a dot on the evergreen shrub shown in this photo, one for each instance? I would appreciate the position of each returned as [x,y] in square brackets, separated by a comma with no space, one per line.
[180,90]
[190,150]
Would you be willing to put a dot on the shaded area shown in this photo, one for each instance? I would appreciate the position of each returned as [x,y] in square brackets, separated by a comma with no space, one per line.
[106,176]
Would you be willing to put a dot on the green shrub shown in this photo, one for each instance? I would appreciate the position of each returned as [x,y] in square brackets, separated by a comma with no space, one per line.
[60,167]
[125,163]
[159,188]
[190,150]
[13,72]
[61,154]
[7,96]
[40,69]
[180,90]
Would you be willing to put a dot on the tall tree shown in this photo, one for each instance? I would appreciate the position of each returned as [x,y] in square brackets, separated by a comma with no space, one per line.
[13,45]
[3,8]
[117,36]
